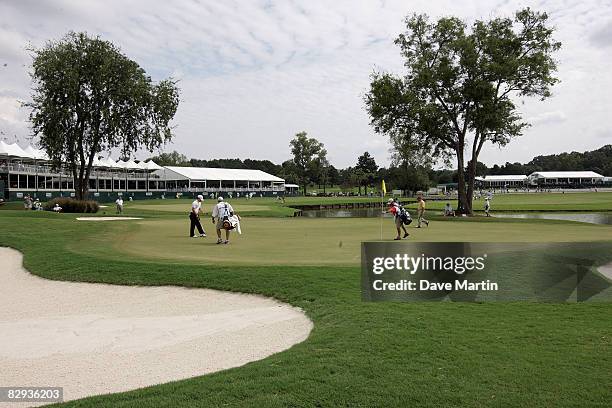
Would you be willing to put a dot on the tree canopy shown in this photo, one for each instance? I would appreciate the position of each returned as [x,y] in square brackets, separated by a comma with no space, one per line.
[309,158]
[459,89]
[88,97]
[173,158]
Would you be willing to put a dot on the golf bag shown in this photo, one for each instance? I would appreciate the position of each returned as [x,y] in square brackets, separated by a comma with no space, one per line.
[227,225]
[404,215]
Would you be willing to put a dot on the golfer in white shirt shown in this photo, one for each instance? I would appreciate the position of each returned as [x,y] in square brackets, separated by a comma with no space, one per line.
[119,203]
[194,216]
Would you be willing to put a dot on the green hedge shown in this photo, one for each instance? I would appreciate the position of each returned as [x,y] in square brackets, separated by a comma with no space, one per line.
[70,205]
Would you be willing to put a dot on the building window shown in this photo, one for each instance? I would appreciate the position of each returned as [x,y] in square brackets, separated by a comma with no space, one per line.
[212,183]
[14,181]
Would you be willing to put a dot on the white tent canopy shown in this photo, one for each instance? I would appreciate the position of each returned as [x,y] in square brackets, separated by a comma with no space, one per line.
[14,150]
[36,153]
[566,174]
[131,164]
[510,177]
[150,165]
[201,173]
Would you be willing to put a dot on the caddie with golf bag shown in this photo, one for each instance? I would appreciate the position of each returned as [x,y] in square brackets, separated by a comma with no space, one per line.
[224,218]
[401,217]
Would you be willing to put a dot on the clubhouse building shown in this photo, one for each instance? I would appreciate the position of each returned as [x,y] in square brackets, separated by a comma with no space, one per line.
[29,171]
[497,181]
[544,179]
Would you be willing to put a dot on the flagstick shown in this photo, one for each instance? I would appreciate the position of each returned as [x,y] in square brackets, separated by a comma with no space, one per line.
[382,199]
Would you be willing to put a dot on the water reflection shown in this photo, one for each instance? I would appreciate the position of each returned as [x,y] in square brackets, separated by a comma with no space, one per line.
[591,218]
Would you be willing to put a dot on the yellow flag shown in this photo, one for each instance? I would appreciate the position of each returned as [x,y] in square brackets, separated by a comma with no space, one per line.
[384,188]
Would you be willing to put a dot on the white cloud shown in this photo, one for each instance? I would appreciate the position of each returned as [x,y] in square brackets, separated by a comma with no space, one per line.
[547,117]
[256,72]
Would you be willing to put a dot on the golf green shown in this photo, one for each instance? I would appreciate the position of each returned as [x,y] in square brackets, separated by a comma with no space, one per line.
[313,241]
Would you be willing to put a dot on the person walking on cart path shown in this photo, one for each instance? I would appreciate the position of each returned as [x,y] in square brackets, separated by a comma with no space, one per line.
[194,217]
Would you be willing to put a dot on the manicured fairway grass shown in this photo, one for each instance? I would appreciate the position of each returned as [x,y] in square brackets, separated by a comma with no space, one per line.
[359,354]
[259,207]
[601,201]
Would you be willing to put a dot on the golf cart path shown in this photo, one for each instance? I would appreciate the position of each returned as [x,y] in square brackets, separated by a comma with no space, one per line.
[96,339]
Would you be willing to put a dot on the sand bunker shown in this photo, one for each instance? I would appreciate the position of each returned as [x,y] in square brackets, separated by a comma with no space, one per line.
[108,218]
[606,270]
[95,339]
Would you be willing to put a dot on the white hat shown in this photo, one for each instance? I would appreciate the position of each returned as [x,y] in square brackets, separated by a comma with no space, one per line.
[389,201]
[200,197]
[219,198]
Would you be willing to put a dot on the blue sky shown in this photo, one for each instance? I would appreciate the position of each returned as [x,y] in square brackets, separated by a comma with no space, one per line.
[254,73]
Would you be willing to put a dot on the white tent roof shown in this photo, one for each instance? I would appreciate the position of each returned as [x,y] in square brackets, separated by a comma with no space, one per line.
[30,152]
[208,173]
[131,164]
[291,185]
[36,153]
[566,174]
[110,163]
[150,165]
[14,150]
[500,177]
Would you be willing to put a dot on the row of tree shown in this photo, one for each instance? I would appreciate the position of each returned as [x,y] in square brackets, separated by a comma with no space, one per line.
[309,167]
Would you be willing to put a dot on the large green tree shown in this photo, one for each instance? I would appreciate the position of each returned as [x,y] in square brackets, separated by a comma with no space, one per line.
[88,97]
[367,164]
[309,158]
[173,158]
[461,84]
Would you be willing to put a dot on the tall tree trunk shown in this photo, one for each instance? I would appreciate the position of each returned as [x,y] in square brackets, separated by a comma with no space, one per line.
[471,170]
[477,144]
[464,207]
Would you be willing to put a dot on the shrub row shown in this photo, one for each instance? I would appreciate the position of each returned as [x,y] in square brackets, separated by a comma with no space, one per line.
[70,205]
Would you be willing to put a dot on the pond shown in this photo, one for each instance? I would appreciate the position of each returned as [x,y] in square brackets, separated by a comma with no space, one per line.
[591,217]
[602,218]
[345,213]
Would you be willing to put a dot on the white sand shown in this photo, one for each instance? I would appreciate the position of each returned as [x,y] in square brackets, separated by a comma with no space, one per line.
[108,218]
[606,270]
[95,339]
